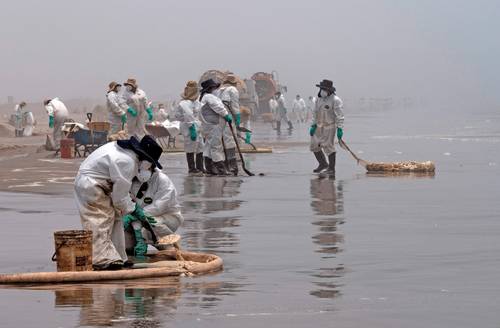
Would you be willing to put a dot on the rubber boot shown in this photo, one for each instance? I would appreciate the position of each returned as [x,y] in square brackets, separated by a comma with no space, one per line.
[232,164]
[140,248]
[199,163]
[278,126]
[331,164]
[290,126]
[220,168]
[190,162]
[320,156]
[209,166]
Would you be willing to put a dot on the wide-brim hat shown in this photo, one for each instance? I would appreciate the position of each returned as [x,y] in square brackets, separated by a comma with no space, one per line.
[112,86]
[190,91]
[326,85]
[209,84]
[230,79]
[147,149]
[131,82]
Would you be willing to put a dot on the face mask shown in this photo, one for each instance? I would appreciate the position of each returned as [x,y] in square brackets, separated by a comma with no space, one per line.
[144,175]
[323,93]
[128,88]
[118,89]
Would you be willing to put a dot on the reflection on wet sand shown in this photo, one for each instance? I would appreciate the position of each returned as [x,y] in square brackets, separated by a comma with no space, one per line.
[327,204]
[203,196]
[145,303]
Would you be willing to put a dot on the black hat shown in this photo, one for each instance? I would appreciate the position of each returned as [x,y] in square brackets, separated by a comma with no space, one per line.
[148,149]
[208,84]
[327,85]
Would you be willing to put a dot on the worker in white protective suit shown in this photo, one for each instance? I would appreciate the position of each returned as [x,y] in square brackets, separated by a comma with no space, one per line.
[102,188]
[161,114]
[188,113]
[18,119]
[29,123]
[156,194]
[58,114]
[281,111]
[230,97]
[273,107]
[138,111]
[116,107]
[328,120]
[299,108]
[214,117]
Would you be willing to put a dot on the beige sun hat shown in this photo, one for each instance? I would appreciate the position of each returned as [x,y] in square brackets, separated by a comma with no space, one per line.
[131,82]
[231,79]
[190,91]
[113,85]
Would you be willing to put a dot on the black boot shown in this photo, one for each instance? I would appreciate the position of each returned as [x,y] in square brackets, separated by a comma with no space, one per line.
[190,161]
[219,168]
[199,162]
[209,166]
[290,126]
[232,164]
[320,156]
[331,164]
[278,126]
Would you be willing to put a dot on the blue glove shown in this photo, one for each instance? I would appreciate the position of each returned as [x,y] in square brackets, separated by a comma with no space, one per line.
[51,121]
[238,119]
[228,118]
[132,111]
[124,118]
[340,133]
[149,110]
[248,137]
[312,129]
[127,221]
[192,132]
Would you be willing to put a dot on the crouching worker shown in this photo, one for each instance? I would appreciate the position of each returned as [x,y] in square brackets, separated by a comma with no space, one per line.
[102,188]
[153,191]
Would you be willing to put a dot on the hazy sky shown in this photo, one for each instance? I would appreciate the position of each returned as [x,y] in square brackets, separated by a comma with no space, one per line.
[443,50]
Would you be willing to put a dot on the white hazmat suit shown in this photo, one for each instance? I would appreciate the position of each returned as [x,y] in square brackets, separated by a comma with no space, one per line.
[136,126]
[299,108]
[116,108]
[159,200]
[29,126]
[58,110]
[102,188]
[328,116]
[212,118]
[188,113]
[229,94]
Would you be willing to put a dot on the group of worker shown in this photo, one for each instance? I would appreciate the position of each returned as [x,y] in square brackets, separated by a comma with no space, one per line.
[301,111]
[127,201]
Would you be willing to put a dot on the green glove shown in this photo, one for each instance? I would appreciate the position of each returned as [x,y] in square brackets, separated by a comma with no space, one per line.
[192,132]
[149,110]
[248,136]
[51,121]
[124,118]
[140,248]
[238,119]
[138,213]
[127,221]
[340,133]
[228,118]
[312,129]
[132,111]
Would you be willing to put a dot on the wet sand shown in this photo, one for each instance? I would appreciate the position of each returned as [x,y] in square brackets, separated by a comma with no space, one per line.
[363,250]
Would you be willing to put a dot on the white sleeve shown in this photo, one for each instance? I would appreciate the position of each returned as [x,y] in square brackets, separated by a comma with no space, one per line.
[188,112]
[216,105]
[121,174]
[338,106]
[50,109]
[235,100]
[165,198]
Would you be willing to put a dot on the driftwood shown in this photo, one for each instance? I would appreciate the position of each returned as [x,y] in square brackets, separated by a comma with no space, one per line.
[162,266]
